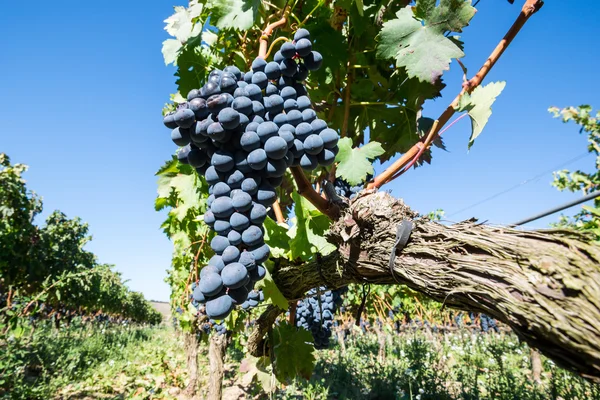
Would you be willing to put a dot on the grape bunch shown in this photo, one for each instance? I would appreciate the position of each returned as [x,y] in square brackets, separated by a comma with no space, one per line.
[315,313]
[255,297]
[241,131]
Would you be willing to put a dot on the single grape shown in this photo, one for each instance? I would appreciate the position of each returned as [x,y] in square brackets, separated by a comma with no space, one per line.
[240,92]
[182,154]
[234,237]
[276,147]
[239,221]
[288,67]
[258,64]
[209,218]
[252,127]
[233,70]
[248,77]
[257,159]
[301,34]
[242,202]
[228,84]
[313,61]
[220,307]
[258,214]
[274,104]
[210,200]
[244,121]
[211,284]
[192,94]
[221,189]
[252,236]
[266,194]
[303,47]
[276,168]
[303,130]
[288,50]
[249,186]
[198,296]
[272,70]
[222,161]
[298,149]
[217,262]
[260,79]
[258,108]
[210,89]
[313,144]
[169,120]
[267,130]
[222,227]
[278,57]
[230,254]
[213,176]
[318,125]
[326,157]
[181,136]
[280,120]
[289,105]
[250,141]
[199,108]
[309,162]
[234,275]
[242,105]
[222,207]
[184,118]
[217,102]
[294,117]
[303,103]
[247,260]
[254,92]
[229,117]
[271,89]
[309,115]
[197,158]
[330,138]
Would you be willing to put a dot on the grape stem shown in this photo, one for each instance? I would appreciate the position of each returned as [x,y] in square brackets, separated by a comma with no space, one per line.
[278,212]
[306,190]
[264,39]
[279,39]
[529,8]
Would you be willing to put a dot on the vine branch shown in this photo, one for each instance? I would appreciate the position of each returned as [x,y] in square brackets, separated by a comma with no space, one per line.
[529,8]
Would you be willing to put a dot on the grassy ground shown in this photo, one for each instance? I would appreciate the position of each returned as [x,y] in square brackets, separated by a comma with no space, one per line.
[119,362]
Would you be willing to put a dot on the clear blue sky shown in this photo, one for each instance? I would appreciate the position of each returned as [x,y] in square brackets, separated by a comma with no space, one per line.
[82,86]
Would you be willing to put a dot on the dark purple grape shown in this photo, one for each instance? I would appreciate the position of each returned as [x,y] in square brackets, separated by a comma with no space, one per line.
[303,47]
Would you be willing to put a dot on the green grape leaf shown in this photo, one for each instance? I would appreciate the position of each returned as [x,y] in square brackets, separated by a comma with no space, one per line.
[186,188]
[271,291]
[170,50]
[277,238]
[417,42]
[355,164]
[478,105]
[308,233]
[236,14]
[293,352]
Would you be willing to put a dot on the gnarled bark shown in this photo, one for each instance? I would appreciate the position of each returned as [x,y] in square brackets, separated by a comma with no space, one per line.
[191,350]
[216,355]
[544,284]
